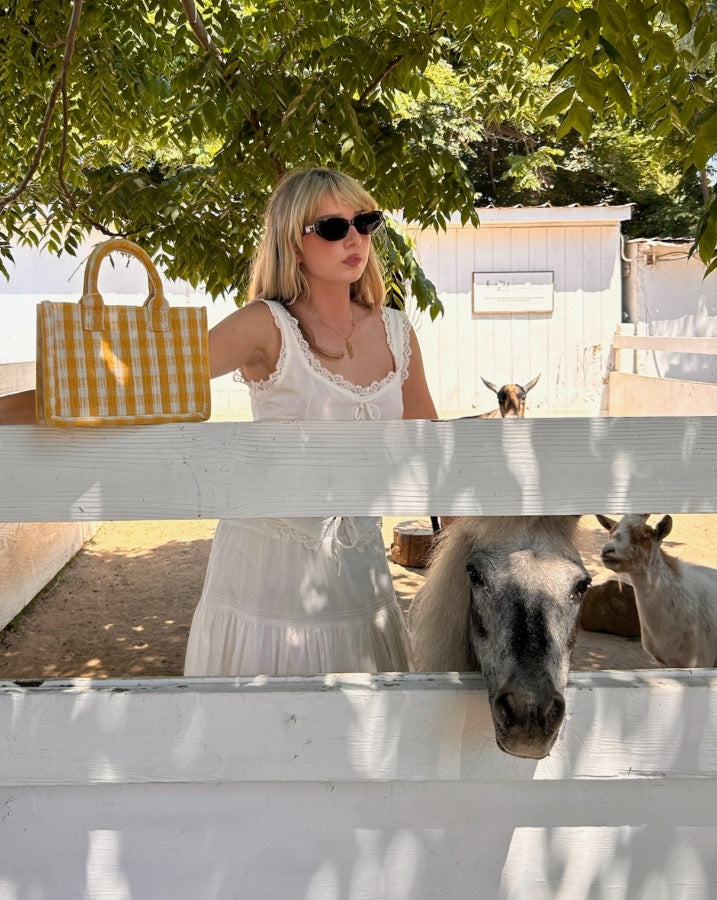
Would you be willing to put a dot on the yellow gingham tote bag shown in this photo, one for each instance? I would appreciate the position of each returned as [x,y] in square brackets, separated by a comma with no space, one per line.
[121,365]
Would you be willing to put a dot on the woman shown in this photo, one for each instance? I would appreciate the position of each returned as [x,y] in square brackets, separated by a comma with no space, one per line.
[316,342]
[311,595]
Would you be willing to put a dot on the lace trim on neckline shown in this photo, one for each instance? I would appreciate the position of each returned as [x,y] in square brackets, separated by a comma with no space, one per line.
[278,311]
[361,390]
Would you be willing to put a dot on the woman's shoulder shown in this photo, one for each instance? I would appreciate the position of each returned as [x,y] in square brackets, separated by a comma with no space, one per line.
[247,339]
[398,322]
[262,312]
[262,306]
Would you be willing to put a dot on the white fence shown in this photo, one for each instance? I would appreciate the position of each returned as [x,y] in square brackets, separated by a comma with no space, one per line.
[356,786]
[633,394]
[32,553]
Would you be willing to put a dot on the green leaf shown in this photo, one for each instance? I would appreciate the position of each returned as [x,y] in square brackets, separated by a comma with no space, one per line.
[638,19]
[558,104]
[680,15]
[703,32]
[617,91]
[567,18]
[706,236]
[591,89]
[662,47]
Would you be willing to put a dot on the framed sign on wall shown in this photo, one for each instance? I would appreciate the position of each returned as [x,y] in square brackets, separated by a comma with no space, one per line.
[512,292]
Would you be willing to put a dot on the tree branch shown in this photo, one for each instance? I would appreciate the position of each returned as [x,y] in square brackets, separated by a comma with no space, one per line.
[50,108]
[202,35]
[205,41]
[389,67]
[64,187]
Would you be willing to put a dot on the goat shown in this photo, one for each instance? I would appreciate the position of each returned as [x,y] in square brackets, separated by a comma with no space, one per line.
[511,400]
[676,600]
[511,405]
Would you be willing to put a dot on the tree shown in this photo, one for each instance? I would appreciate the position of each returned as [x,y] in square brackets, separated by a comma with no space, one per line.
[170,122]
[512,157]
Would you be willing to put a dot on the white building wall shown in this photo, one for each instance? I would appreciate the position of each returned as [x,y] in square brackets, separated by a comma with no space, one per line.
[669,296]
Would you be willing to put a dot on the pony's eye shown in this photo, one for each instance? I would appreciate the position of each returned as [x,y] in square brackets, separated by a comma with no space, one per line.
[581,587]
[475,575]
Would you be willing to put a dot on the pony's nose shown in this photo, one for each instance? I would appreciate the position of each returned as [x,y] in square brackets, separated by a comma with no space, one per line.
[524,711]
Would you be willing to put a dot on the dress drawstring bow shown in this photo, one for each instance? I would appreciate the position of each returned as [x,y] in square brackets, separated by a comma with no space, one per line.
[367,412]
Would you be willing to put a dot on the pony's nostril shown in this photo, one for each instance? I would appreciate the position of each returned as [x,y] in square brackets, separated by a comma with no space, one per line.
[554,713]
[505,710]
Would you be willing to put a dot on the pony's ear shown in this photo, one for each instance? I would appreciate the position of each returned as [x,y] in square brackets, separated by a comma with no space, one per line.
[531,384]
[663,527]
[605,521]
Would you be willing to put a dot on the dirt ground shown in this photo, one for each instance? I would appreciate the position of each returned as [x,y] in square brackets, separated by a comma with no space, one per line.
[122,606]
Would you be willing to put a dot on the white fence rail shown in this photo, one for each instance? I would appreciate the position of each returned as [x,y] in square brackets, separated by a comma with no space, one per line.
[631,393]
[486,467]
[32,553]
[356,786]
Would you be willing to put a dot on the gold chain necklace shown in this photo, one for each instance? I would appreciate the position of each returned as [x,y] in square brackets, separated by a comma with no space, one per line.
[347,338]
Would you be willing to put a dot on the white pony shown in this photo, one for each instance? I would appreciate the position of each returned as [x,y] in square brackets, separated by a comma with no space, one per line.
[502,595]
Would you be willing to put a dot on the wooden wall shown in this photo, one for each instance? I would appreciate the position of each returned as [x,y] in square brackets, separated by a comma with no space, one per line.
[669,297]
[32,553]
[355,787]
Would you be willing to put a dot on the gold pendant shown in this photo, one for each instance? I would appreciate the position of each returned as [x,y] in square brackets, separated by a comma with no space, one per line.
[349,348]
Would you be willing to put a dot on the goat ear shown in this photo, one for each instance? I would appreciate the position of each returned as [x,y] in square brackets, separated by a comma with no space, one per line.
[664,527]
[606,522]
[531,384]
[489,385]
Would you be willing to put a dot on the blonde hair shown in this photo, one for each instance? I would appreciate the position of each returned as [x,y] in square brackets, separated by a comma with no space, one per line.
[275,271]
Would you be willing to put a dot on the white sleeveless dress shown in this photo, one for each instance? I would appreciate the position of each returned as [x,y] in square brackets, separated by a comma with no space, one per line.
[304,596]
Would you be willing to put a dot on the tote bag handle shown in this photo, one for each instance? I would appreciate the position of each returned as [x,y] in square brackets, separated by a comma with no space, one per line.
[91,301]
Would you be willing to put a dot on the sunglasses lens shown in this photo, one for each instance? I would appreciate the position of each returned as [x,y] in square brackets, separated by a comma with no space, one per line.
[333,229]
[368,223]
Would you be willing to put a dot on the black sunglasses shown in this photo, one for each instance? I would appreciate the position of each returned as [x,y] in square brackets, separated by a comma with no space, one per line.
[335,228]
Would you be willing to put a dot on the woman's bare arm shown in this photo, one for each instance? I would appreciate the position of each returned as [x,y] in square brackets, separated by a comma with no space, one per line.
[247,339]
[417,400]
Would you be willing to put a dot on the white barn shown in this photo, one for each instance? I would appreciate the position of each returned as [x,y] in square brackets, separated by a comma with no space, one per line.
[531,291]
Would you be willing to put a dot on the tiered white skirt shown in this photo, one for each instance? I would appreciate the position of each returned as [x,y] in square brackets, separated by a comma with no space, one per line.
[298,596]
